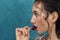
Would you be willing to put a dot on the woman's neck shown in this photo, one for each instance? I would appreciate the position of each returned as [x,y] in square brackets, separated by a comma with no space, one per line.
[52,33]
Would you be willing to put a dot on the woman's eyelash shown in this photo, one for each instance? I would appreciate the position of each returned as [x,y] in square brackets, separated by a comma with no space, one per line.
[35,13]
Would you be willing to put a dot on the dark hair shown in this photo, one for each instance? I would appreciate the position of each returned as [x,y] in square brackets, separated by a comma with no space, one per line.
[51,6]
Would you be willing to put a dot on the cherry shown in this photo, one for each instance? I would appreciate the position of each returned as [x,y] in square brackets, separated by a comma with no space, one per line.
[34,28]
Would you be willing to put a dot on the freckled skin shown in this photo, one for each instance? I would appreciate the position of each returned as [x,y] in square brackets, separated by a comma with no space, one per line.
[40,22]
[38,18]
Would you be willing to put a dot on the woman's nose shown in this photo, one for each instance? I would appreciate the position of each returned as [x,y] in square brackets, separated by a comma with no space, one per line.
[33,20]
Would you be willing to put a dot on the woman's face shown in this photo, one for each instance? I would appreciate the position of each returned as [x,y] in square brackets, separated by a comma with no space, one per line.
[38,18]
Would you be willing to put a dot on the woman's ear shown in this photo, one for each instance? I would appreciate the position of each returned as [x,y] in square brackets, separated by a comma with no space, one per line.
[54,16]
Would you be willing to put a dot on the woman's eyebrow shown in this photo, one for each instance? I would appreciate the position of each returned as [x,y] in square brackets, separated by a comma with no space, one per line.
[35,11]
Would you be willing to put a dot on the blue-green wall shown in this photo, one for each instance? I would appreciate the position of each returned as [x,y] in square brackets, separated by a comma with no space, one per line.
[13,14]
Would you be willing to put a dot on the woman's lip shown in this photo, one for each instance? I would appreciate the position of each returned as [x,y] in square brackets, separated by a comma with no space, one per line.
[34,28]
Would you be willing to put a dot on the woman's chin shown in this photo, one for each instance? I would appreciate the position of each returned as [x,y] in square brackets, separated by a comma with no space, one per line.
[39,32]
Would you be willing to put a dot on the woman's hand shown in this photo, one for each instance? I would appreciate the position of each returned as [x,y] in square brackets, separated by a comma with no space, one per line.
[23,33]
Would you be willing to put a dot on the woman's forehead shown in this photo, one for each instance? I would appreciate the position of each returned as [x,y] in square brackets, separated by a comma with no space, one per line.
[38,6]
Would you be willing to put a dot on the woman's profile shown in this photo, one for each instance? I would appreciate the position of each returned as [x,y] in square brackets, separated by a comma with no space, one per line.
[46,18]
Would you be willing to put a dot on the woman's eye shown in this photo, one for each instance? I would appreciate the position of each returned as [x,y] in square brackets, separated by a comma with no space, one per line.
[36,14]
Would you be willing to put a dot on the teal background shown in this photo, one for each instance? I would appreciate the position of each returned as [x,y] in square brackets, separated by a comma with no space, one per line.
[15,14]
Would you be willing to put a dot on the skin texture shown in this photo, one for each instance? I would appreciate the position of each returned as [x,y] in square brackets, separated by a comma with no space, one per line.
[23,33]
[39,20]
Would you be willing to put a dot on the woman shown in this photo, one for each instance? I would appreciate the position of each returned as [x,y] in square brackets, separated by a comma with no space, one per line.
[45,18]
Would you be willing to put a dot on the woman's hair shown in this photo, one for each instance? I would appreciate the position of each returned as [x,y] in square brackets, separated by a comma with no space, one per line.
[51,6]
